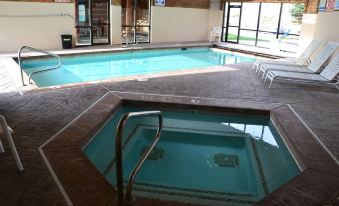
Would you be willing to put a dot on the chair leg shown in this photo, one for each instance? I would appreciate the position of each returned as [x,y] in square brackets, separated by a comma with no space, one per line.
[11,143]
[263,74]
[15,154]
[1,148]
[265,78]
[271,83]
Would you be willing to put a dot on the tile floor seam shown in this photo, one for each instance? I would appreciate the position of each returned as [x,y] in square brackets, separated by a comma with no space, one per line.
[314,135]
[51,170]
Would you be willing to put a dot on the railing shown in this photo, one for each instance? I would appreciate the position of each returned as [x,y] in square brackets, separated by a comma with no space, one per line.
[118,154]
[36,72]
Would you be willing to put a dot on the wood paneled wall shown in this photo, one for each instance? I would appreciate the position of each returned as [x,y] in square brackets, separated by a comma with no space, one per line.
[203,4]
[200,4]
[311,6]
[46,1]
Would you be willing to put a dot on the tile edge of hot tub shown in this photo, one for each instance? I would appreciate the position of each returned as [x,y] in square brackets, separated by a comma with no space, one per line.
[68,161]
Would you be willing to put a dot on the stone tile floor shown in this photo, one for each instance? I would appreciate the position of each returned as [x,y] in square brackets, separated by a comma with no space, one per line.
[37,116]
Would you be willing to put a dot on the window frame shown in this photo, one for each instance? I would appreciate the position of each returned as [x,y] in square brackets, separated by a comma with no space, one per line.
[225,26]
[135,26]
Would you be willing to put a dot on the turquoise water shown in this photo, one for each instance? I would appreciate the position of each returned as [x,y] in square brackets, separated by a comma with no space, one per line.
[95,67]
[201,158]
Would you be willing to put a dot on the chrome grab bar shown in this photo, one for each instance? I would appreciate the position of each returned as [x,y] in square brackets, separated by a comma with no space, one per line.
[118,154]
[40,51]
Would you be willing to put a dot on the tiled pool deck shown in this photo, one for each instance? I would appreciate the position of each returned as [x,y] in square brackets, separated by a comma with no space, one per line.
[39,115]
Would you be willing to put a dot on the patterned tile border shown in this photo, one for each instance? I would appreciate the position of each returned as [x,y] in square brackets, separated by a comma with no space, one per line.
[261,171]
[317,184]
[191,189]
[187,195]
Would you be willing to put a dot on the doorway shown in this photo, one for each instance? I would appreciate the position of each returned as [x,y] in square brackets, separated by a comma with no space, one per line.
[135,21]
[231,29]
[93,22]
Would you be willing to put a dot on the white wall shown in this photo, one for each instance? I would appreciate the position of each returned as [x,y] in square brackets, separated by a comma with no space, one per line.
[323,25]
[214,20]
[39,32]
[307,31]
[327,26]
[172,24]
[115,24]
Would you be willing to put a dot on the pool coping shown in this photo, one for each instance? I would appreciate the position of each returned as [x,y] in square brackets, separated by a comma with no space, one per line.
[83,184]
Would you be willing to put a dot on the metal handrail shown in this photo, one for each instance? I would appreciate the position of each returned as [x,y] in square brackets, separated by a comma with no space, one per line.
[40,51]
[118,155]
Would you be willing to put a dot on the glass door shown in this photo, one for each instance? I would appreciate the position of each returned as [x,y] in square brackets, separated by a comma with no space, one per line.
[83,23]
[100,21]
[93,25]
[232,23]
[135,20]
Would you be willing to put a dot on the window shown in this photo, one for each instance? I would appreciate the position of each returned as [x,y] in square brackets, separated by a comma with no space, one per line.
[135,21]
[290,26]
[263,24]
[248,25]
[269,17]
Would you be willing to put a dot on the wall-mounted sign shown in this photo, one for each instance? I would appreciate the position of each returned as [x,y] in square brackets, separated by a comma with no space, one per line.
[336,7]
[160,2]
[62,1]
[82,12]
[330,5]
[322,5]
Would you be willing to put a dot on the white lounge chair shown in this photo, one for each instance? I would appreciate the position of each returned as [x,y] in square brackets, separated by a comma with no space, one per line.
[314,67]
[328,75]
[303,59]
[216,32]
[6,131]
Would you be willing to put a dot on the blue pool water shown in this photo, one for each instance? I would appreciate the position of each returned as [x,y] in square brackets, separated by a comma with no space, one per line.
[95,67]
[201,158]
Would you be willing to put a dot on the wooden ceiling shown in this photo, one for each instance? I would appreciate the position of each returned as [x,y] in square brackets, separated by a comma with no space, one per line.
[311,6]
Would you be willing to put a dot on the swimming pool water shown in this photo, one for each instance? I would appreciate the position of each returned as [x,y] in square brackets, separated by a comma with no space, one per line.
[95,67]
[201,158]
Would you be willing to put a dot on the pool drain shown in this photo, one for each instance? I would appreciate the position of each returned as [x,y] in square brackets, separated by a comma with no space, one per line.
[226,160]
[156,154]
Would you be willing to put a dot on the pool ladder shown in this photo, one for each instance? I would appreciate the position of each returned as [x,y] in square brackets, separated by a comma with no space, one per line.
[129,199]
[40,51]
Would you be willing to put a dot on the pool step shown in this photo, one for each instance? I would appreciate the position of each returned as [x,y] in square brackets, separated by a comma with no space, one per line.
[191,195]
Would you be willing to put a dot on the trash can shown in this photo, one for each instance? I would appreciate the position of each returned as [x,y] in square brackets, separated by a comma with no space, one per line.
[66,40]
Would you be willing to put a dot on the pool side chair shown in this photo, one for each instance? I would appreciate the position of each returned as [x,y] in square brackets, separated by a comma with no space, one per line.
[314,67]
[303,59]
[328,75]
[216,32]
[6,131]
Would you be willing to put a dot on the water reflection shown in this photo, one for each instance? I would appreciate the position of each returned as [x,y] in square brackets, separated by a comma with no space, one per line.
[223,58]
[259,132]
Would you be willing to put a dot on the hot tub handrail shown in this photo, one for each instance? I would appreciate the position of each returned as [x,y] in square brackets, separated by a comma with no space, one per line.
[40,51]
[118,155]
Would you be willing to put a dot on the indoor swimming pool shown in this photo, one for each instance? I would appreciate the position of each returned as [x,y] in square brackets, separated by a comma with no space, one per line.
[103,66]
